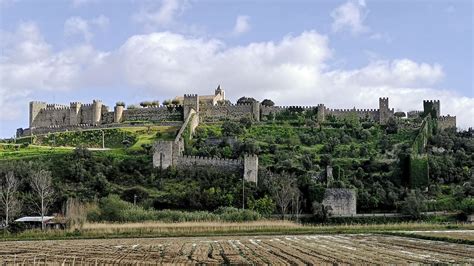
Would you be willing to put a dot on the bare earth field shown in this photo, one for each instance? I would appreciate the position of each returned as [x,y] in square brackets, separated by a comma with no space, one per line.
[457,234]
[301,249]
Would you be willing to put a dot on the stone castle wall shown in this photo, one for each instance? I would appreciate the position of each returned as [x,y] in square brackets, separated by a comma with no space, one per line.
[214,113]
[153,114]
[227,164]
[44,116]
[445,122]
[51,116]
[341,201]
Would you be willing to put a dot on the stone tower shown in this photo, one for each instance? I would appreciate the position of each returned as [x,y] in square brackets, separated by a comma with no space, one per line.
[220,92]
[321,112]
[384,111]
[433,107]
[163,154]
[74,110]
[256,111]
[118,113]
[96,112]
[251,168]
[166,153]
[190,101]
[35,108]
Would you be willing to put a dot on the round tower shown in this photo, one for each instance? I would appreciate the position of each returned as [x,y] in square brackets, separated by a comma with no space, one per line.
[96,111]
[118,112]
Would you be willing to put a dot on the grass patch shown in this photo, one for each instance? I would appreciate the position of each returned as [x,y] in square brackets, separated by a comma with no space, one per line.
[265,227]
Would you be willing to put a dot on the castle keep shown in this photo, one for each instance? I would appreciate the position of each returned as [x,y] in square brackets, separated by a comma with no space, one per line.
[45,118]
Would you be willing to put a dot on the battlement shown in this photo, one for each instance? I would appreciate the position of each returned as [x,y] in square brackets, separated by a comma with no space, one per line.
[431,101]
[446,117]
[353,110]
[190,95]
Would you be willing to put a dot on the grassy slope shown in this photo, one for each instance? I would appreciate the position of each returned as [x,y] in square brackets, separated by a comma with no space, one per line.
[144,135]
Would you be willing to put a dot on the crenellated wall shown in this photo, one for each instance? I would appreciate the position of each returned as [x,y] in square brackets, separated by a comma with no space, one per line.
[445,122]
[214,113]
[43,115]
[370,114]
[153,114]
[192,161]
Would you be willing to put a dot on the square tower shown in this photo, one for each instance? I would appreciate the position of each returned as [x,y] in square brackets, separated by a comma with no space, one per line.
[251,168]
[35,108]
[190,101]
[431,107]
[384,110]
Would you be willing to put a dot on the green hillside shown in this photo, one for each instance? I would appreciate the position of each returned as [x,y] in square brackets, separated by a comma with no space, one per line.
[370,158]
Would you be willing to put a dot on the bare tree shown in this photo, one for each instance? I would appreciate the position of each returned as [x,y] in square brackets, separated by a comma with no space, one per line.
[297,203]
[283,188]
[41,183]
[9,196]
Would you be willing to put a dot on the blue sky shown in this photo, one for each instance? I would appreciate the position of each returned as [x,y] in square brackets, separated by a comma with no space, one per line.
[341,53]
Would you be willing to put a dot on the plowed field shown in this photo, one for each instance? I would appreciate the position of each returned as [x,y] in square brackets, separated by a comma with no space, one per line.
[294,250]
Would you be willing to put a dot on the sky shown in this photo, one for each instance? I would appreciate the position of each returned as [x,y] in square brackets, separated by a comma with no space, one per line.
[341,53]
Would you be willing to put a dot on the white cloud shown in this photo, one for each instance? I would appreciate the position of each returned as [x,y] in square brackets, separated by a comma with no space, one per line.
[242,25]
[78,25]
[350,16]
[160,16]
[292,71]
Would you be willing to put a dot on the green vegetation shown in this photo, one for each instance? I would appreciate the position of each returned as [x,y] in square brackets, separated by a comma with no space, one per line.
[380,162]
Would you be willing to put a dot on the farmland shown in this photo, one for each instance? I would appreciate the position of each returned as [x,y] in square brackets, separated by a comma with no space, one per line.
[301,249]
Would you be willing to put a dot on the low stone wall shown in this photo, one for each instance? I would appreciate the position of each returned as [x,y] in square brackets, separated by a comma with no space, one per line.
[341,201]
[226,164]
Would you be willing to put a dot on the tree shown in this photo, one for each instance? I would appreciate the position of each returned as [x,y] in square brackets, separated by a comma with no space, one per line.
[268,102]
[231,128]
[400,114]
[245,100]
[246,122]
[175,102]
[320,212]
[283,189]
[42,186]
[9,196]
[265,206]
[413,205]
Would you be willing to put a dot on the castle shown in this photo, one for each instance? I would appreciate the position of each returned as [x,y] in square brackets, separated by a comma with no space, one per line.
[46,118]
[191,109]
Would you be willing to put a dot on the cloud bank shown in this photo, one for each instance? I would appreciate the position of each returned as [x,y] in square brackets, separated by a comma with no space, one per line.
[291,71]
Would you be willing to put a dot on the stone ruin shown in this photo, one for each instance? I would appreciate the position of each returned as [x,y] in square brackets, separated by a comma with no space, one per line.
[340,201]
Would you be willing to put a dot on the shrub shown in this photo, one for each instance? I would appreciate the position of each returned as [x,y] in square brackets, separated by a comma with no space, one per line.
[264,206]
[120,104]
[413,205]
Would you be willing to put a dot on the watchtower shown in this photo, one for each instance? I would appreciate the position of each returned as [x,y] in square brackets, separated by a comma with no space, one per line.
[35,108]
[96,112]
[74,109]
[321,112]
[190,101]
[431,107]
[384,111]
[251,168]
